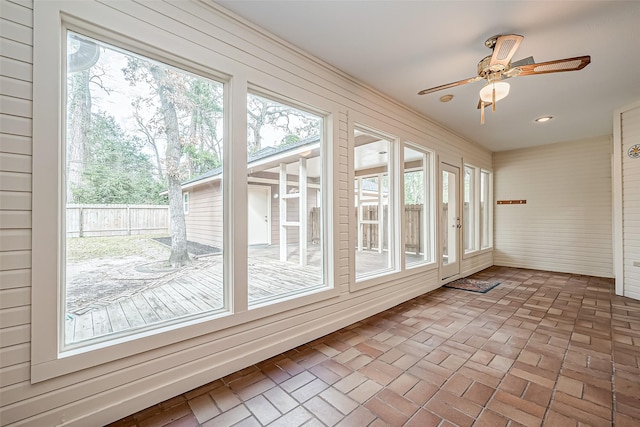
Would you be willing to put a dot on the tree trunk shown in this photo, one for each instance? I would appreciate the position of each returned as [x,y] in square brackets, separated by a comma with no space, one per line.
[179,255]
[79,118]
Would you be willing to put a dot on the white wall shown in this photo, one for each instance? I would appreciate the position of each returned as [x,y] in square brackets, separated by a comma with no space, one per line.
[627,188]
[566,223]
[111,390]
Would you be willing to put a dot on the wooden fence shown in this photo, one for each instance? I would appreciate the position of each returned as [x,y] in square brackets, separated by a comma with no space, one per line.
[116,220]
[413,228]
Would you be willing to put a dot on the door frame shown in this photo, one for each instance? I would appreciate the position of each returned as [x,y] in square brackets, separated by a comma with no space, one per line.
[451,271]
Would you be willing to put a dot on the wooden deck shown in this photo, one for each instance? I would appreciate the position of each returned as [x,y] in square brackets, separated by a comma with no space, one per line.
[197,289]
[191,291]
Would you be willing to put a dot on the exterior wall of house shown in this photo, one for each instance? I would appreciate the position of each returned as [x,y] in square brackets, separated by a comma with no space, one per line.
[628,197]
[204,220]
[566,224]
[116,387]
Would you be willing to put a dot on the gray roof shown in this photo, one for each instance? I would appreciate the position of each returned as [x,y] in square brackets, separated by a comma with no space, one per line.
[261,154]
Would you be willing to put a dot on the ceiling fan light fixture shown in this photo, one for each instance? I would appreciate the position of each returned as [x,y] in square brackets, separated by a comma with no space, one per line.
[501,91]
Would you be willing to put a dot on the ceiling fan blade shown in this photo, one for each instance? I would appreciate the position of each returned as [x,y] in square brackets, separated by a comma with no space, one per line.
[524,61]
[557,66]
[504,49]
[449,85]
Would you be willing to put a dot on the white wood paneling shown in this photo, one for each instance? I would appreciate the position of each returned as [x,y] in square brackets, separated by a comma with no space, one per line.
[567,221]
[630,134]
[110,389]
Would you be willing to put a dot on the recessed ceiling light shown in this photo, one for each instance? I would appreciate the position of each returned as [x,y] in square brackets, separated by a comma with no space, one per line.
[543,119]
[446,98]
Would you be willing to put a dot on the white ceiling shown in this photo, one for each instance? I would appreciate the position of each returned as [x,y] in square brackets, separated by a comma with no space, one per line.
[401,47]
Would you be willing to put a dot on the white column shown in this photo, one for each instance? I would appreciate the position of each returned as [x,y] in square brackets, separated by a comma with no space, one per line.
[303,216]
[283,211]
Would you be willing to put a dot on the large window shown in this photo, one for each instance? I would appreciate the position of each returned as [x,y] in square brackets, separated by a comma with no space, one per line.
[373,204]
[418,226]
[136,131]
[486,211]
[470,213]
[284,178]
[478,212]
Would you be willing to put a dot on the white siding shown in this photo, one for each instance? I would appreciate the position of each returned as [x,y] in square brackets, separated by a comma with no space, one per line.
[566,223]
[630,130]
[15,194]
[108,391]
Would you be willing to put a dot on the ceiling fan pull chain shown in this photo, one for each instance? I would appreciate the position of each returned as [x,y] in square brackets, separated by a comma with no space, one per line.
[493,102]
[481,112]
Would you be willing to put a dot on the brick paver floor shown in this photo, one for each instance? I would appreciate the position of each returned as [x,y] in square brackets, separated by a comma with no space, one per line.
[542,348]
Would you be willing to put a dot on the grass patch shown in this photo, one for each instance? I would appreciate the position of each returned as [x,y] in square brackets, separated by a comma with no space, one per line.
[85,248]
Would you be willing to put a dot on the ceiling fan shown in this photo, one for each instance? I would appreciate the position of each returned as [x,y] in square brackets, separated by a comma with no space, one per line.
[497,67]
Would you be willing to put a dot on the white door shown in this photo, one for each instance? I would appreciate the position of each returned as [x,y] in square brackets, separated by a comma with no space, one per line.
[449,221]
[259,217]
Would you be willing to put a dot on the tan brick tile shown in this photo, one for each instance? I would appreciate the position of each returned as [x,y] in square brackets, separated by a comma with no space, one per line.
[522,404]
[402,404]
[350,382]
[309,390]
[255,389]
[538,394]
[488,418]
[297,417]
[403,383]
[381,372]
[479,393]
[628,405]
[389,414]
[514,413]
[297,381]
[229,417]
[323,411]
[443,410]
[570,386]
[341,402]
[365,391]
[482,377]
[421,392]
[621,420]
[361,417]
[423,418]
[583,405]
[262,409]
[457,384]
[556,419]
[579,415]
[598,396]
[280,399]
[224,398]
[203,407]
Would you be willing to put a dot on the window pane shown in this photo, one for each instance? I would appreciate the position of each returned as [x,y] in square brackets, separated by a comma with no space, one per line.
[284,177]
[485,209]
[417,207]
[374,252]
[138,134]
[470,209]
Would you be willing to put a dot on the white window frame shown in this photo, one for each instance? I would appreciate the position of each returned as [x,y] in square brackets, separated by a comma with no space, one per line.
[428,220]
[99,21]
[394,226]
[473,217]
[286,300]
[489,210]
